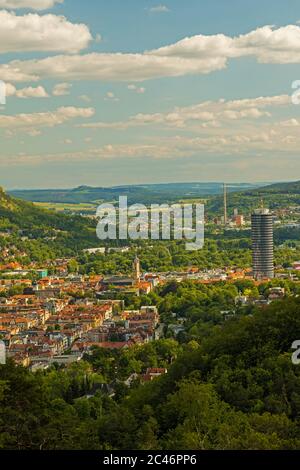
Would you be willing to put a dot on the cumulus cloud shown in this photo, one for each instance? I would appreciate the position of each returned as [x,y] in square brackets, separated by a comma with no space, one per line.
[267,44]
[137,89]
[159,9]
[290,123]
[33,32]
[110,96]
[108,67]
[269,140]
[110,151]
[214,128]
[197,47]
[25,93]
[31,4]
[61,89]
[206,114]
[32,92]
[195,55]
[60,116]
[9,73]
[271,45]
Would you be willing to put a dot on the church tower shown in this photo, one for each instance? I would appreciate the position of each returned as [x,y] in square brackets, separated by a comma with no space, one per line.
[137,269]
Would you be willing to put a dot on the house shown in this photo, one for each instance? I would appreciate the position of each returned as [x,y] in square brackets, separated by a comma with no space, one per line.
[176,329]
[94,251]
[153,373]
[276,293]
[117,281]
[145,287]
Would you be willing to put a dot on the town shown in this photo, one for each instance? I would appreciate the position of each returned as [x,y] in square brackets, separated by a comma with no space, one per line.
[59,318]
[49,322]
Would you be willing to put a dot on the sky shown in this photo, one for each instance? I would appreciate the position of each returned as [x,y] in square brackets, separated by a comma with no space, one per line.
[142,91]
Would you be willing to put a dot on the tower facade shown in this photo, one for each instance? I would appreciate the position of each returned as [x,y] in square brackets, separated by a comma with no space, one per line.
[137,269]
[262,244]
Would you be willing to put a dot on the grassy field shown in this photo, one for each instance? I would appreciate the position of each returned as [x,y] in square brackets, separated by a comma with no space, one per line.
[68,208]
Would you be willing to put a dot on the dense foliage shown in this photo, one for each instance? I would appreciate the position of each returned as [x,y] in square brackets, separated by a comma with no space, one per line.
[235,388]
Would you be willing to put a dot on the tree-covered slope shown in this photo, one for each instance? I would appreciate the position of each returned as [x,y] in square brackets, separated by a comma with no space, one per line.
[272,196]
[146,194]
[57,233]
[236,389]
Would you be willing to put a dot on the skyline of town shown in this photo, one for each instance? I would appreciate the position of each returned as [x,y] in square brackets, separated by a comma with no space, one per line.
[149,231]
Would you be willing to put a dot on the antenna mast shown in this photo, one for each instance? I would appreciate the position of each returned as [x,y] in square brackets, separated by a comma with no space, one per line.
[225,205]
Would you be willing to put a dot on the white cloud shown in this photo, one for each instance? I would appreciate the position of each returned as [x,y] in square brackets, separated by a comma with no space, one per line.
[159,9]
[248,142]
[138,90]
[28,92]
[31,121]
[196,55]
[120,125]
[110,96]
[9,73]
[290,123]
[269,138]
[61,89]
[10,90]
[33,32]
[31,4]
[205,114]
[110,151]
[267,44]
[32,92]
[107,67]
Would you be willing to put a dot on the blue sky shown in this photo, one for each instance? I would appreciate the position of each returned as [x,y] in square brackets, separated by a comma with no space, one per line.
[87,103]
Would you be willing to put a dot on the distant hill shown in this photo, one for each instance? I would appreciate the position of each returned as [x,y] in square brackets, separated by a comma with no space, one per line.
[273,196]
[281,188]
[146,194]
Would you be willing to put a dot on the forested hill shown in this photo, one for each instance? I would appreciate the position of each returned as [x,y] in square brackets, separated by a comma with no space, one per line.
[53,232]
[146,194]
[273,196]
[280,188]
[22,214]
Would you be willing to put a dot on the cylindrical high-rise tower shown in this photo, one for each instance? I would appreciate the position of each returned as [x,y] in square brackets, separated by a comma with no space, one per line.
[263,244]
